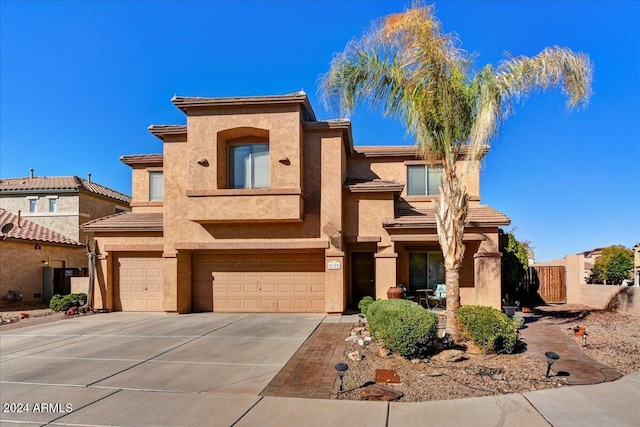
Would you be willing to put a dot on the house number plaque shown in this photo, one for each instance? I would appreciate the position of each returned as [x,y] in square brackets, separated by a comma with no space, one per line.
[334,265]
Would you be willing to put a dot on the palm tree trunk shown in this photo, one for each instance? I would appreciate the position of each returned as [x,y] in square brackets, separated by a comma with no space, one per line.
[451,217]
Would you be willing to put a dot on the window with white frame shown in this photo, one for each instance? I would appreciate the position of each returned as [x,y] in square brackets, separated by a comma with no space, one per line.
[53,205]
[249,166]
[423,180]
[156,186]
[33,204]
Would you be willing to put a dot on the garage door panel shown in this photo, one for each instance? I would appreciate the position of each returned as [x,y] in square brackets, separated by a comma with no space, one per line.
[272,281]
[140,284]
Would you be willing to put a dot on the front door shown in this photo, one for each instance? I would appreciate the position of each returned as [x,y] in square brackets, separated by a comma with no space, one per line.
[363,279]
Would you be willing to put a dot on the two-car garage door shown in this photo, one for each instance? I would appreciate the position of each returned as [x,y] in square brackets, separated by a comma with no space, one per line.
[277,281]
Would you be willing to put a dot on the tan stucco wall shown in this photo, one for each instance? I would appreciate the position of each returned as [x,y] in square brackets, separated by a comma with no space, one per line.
[394,168]
[21,265]
[618,298]
[94,207]
[282,124]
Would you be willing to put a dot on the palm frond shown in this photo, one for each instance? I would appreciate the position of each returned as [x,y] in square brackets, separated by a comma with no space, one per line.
[553,67]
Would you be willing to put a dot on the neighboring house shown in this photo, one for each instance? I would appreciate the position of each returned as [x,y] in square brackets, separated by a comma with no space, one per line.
[60,203]
[255,205]
[36,261]
[590,257]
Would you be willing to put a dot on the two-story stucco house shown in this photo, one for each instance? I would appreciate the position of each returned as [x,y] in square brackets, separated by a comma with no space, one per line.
[60,203]
[255,205]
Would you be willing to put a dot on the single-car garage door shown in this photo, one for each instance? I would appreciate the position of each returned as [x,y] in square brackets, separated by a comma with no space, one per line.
[139,284]
[272,281]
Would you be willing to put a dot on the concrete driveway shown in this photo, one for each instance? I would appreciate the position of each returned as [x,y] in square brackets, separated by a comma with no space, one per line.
[145,369]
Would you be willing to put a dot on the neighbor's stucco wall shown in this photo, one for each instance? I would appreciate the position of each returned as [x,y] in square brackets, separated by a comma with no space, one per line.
[64,220]
[617,298]
[21,265]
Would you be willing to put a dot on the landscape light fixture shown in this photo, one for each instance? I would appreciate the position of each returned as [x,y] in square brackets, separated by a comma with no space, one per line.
[341,368]
[552,356]
[584,339]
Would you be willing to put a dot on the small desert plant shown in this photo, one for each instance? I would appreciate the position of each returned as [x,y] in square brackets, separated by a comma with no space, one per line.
[62,303]
[403,326]
[364,304]
[491,329]
[518,321]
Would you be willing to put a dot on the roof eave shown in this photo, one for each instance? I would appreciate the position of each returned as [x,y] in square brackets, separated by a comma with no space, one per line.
[183,103]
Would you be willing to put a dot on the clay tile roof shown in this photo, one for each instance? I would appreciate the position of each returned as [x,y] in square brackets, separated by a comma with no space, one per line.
[478,216]
[30,231]
[160,131]
[373,185]
[126,221]
[59,183]
[142,159]
[398,151]
[185,102]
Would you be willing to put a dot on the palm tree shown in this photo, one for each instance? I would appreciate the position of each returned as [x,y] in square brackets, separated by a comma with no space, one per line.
[406,66]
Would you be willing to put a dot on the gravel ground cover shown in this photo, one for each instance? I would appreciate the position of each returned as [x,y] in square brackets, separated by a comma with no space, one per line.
[613,339]
[11,311]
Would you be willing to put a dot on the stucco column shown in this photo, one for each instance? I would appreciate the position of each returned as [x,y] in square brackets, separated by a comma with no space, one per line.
[574,272]
[184,281]
[170,281]
[334,280]
[488,278]
[385,272]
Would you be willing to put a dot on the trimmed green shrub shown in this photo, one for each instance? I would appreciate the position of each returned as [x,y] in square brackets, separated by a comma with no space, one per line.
[403,326]
[491,329]
[62,303]
[364,304]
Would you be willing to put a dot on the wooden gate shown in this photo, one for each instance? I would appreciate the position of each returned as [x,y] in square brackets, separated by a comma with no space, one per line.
[547,281]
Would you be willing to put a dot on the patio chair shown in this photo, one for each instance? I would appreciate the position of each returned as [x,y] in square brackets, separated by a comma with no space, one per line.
[438,296]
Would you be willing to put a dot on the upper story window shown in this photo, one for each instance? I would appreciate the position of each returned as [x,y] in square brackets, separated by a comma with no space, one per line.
[156,186]
[248,166]
[53,205]
[423,180]
[33,204]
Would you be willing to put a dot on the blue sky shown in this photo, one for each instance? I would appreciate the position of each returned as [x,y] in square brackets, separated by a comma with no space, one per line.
[81,81]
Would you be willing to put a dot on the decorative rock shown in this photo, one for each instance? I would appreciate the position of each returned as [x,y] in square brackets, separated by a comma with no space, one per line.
[354,333]
[359,325]
[497,377]
[366,334]
[23,316]
[449,356]
[389,376]
[361,343]
[376,392]
[358,329]
[367,339]
[72,311]
[351,338]
[356,356]
[415,361]
[384,352]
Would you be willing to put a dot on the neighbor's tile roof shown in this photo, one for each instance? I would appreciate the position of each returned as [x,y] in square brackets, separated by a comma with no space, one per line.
[373,185]
[478,216]
[126,221]
[142,159]
[53,183]
[31,231]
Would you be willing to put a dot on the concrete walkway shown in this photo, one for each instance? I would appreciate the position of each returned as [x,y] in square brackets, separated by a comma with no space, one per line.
[205,369]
